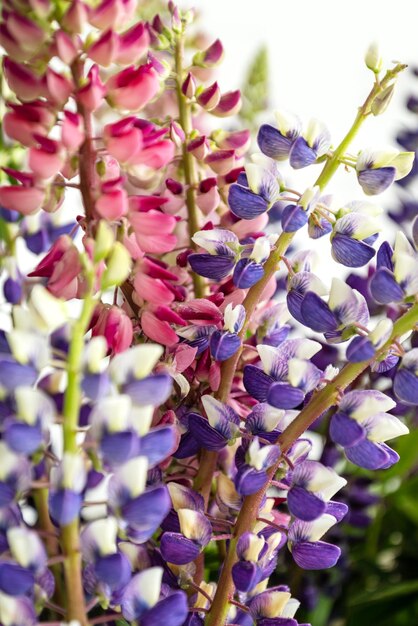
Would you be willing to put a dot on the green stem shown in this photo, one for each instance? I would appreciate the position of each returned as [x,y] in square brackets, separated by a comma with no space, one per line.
[321,401]
[189,165]
[70,534]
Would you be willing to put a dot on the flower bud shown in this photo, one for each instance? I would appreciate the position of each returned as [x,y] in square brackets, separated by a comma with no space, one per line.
[382,101]
[59,87]
[199,147]
[211,56]
[373,58]
[91,94]
[133,44]
[188,87]
[221,161]
[65,47]
[76,17]
[72,132]
[229,104]
[132,88]
[104,241]
[210,97]
[105,49]
[118,267]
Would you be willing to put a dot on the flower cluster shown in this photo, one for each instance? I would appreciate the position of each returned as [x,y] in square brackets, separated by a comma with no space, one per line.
[156,382]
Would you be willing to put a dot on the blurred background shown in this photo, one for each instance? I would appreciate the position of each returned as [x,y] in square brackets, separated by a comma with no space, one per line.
[307,57]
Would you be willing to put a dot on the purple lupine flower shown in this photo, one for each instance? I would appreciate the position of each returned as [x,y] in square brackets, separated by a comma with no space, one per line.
[276,143]
[396,275]
[182,497]
[15,475]
[376,170]
[313,143]
[364,347]
[304,541]
[338,319]
[298,287]
[249,269]
[141,601]
[140,510]
[224,343]
[405,384]
[185,546]
[295,216]
[40,231]
[17,610]
[361,426]
[272,328]
[279,382]
[96,382]
[28,354]
[197,336]
[68,481]
[221,427]
[257,559]
[252,469]
[223,250]
[28,429]
[274,607]
[312,486]
[131,372]
[111,567]
[353,234]
[256,191]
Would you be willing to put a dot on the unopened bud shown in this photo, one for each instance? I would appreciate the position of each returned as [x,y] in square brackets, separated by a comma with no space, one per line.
[118,267]
[373,58]
[104,241]
[382,100]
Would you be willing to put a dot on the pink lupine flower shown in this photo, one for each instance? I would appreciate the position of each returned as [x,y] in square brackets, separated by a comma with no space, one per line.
[92,93]
[46,158]
[25,84]
[152,289]
[75,18]
[133,44]
[210,97]
[65,46]
[158,329]
[59,87]
[123,139]
[199,147]
[114,325]
[132,88]
[12,47]
[153,230]
[113,201]
[24,200]
[72,131]
[27,33]
[112,13]
[207,196]
[23,121]
[200,312]
[62,267]
[238,140]
[105,50]
[221,161]
[137,142]
[229,104]
[188,87]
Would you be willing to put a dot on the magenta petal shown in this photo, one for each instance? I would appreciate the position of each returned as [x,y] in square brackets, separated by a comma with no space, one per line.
[177,549]
[315,555]
[304,504]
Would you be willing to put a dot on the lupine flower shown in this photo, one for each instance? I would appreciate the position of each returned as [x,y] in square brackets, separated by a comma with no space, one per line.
[257,559]
[17,611]
[62,267]
[132,88]
[298,286]
[274,383]
[256,191]
[115,326]
[313,143]
[26,431]
[185,546]
[295,216]
[222,247]
[353,234]
[337,320]
[252,469]
[21,360]
[99,548]
[140,510]
[274,607]
[312,485]
[276,143]
[140,601]
[68,481]
[405,384]
[396,272]
[249,269]
[305,545]
[361,426]
[221,427]
[15,475]
[364,348]
[224,343]
[376,170]
[272,329]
